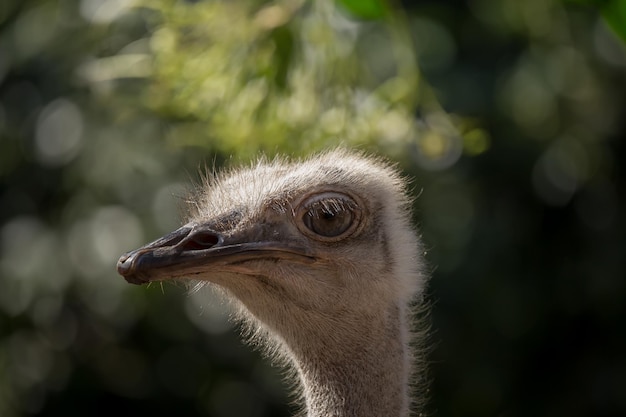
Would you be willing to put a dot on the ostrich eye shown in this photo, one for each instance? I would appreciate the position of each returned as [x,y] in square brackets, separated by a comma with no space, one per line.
[330,215]
[328,222]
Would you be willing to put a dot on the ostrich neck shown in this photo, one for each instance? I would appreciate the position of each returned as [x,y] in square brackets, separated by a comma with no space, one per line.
[351,362]
[361,371]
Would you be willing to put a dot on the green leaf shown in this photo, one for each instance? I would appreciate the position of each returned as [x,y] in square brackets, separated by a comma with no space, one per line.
[364,9]
[614,13]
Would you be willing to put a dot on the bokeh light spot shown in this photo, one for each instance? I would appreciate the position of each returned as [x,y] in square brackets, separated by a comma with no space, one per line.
[59,132]
[98,11]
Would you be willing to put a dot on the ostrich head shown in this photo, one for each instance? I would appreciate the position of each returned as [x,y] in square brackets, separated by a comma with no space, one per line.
[320,257]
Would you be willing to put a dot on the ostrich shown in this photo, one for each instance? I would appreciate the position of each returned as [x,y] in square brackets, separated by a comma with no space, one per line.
[323,266]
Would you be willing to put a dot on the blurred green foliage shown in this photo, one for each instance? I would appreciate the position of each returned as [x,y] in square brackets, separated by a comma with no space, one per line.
[289,76]
[613,12]
[512,125]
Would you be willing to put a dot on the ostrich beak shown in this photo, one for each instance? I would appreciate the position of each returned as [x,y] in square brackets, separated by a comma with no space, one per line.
[195,249]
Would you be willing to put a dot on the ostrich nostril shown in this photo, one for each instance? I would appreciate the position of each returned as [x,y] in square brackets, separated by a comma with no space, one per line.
[200,240]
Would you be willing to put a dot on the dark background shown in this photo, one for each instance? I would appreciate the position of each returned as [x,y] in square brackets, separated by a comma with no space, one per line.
[522,209]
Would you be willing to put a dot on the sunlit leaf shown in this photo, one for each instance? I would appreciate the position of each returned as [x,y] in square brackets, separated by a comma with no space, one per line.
[364,9]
